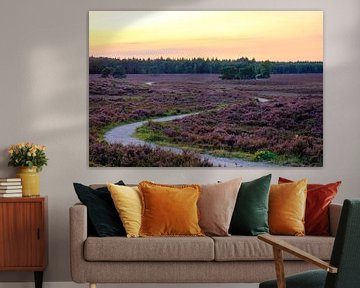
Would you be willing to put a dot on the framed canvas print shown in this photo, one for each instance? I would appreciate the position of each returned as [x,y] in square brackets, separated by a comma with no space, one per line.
[205,88]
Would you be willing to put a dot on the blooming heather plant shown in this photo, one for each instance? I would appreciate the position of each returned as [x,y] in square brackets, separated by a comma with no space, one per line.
[27,155]
[232,120]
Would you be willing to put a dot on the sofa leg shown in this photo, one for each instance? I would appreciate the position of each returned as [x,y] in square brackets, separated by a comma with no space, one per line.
[92,285]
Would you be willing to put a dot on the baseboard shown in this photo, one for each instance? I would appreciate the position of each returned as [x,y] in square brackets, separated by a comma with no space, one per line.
[74,285]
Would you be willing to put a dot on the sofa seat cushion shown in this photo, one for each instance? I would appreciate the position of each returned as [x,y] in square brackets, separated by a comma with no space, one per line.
[244,248]
[149,249]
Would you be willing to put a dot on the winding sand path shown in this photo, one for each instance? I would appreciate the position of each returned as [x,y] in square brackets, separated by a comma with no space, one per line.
[123,134]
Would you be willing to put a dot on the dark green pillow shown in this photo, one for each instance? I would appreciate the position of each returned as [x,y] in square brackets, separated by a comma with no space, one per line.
[103,218]
[250,216]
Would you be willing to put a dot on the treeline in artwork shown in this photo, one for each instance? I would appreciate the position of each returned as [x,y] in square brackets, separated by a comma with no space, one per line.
[241,68]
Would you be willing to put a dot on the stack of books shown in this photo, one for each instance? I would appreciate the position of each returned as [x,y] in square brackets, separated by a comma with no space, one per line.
[10,187]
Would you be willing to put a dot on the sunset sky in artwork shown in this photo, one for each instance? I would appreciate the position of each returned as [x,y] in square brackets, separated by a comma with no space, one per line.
[263,35]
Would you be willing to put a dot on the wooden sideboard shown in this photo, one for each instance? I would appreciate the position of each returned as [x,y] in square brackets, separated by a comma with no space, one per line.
[23,235]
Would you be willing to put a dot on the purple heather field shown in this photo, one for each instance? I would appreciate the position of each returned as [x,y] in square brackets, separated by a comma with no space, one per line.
[278,121]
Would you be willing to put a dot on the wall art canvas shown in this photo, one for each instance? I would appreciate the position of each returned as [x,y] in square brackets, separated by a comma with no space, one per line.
[205,88]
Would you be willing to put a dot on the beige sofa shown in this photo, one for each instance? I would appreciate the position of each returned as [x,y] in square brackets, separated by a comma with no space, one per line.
[234,259]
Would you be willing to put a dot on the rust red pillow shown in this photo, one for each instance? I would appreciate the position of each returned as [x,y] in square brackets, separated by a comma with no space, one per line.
[319,197]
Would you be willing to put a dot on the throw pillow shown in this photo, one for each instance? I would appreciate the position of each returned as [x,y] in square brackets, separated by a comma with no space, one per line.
[319,197]
[102,215]
[250,215]
[127,201]
[169,210]
[287,208]
[216,206]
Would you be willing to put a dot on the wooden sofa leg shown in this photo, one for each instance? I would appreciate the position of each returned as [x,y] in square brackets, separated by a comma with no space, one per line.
[92,285]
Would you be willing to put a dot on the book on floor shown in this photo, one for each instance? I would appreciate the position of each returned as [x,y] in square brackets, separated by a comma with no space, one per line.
[9,195]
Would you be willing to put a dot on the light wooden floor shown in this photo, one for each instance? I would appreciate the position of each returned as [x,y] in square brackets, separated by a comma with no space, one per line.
[74,285]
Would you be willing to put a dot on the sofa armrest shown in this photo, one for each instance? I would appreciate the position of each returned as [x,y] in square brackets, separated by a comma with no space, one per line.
[78,235]
[334,216]
[279,246]
[284,246]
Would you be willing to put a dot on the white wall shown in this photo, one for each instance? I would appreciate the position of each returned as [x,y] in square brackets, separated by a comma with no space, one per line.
[44,98]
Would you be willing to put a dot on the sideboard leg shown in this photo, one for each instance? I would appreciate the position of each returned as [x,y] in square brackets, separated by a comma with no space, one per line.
[92,285]
[38,279]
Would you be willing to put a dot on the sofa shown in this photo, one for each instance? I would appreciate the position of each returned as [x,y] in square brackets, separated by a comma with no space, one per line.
[233,259]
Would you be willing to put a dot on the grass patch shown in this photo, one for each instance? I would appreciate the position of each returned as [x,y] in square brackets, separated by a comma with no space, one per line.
[146,134]
[232,154]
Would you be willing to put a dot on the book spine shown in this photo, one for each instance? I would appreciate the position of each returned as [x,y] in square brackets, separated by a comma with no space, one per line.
[10,191]
[10,183]
[10,180]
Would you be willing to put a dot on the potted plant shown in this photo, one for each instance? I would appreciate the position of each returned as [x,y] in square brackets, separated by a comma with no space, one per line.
[30,158]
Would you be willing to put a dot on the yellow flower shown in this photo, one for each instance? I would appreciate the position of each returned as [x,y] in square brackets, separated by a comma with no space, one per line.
[28,154]
[11,151]
[41,147]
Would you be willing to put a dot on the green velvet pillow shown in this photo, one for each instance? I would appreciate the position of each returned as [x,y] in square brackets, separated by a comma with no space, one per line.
[250,216]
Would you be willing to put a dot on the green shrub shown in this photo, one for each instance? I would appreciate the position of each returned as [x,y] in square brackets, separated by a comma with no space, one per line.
[265,155]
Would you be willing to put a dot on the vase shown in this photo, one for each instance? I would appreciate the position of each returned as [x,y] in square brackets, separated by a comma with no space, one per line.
[30,181]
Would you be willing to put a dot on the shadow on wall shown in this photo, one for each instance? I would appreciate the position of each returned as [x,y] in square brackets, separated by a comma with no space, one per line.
[44,56]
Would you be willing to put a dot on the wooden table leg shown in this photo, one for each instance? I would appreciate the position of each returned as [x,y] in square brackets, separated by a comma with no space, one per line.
[38,279]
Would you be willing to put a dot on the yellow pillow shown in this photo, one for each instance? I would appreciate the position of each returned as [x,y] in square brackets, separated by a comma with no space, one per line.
[127,201]
[287,204]
[169,210]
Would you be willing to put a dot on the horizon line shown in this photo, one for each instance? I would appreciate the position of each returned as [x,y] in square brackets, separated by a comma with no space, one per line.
[205,58]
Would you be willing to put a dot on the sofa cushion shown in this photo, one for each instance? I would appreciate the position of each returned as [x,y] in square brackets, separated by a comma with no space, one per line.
[102,216]
[250,215]
[216,206]
[244,248]
[149,249]
[169,210]
[127,201]
[287,204]
[318,199]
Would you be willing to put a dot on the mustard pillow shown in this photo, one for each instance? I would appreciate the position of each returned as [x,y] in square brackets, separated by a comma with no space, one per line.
[127,201]
[287,204]
[169,210]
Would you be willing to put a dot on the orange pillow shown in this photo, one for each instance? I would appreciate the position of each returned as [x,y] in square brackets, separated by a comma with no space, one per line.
[318,200]
[169,210]
[287,204]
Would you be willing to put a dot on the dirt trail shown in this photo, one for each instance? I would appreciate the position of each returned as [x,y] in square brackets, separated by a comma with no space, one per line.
[123,135]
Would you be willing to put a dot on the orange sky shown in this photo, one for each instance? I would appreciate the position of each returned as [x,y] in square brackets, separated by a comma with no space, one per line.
[273,35]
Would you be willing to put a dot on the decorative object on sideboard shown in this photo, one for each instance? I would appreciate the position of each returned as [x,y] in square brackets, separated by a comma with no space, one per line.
[10,187]
[30,158]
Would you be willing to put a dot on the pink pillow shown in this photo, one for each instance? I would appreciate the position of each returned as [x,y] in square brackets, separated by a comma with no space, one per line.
[216,206]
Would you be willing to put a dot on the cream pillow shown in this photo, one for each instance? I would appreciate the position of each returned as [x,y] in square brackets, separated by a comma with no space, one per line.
[127,201]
